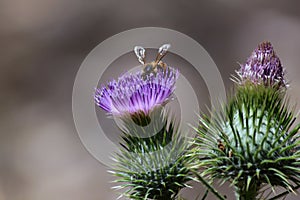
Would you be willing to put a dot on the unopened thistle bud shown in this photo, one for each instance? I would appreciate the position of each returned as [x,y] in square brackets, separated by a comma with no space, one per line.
[263,67]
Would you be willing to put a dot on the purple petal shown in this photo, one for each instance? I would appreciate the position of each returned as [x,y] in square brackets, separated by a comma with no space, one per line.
[263,67]
[133,93]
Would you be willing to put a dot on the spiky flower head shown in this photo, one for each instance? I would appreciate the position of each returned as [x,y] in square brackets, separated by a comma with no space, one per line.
[263,67]
[156,166]
[249,142]
[134,94]
[153,169]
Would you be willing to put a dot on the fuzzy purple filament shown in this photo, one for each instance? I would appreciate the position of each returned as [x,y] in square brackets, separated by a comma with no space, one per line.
[263,67]
[133,93]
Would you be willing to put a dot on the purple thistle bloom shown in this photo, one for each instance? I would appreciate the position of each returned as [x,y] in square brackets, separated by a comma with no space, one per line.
[136,94]
[263,67]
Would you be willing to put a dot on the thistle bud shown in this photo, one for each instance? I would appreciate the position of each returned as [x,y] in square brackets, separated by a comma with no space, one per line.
[263,67]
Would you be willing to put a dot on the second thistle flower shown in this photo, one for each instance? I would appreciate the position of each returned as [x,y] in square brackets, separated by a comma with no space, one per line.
[250,141]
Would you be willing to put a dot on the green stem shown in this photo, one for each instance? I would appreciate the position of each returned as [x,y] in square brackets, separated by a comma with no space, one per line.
[244,193]
[209,187]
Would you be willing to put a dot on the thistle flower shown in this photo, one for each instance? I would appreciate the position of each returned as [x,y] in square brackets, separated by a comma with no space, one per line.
[136,95]
[152,162]
[263,67]
[153,167]
[250,141]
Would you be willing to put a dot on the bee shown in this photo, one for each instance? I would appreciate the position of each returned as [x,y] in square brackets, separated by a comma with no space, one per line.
[221,146]
[154,66]
[230,154]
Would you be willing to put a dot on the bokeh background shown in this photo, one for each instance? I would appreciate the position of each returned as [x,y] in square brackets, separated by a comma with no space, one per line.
[43,43]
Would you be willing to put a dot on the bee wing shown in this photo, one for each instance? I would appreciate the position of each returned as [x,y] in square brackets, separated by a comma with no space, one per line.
[162,51]
[140,54]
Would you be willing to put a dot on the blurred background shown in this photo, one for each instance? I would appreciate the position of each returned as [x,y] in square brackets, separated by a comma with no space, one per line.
[43,43]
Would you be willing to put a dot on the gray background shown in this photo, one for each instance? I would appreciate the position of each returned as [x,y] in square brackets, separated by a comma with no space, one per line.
[43,43]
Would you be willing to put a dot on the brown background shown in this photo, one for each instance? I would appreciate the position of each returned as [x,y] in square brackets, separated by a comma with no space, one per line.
[43,43]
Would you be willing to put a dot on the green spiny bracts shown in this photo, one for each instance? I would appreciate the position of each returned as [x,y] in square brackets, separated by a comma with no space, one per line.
[253,120]
[153,163]
[250,141]
[148,138]
[154,175]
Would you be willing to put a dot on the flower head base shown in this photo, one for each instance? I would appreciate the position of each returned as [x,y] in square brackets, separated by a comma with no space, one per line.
[158,175]
[251,142]
[136,95]
[263,67]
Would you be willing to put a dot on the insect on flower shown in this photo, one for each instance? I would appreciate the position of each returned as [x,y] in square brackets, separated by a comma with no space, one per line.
[221,146]
[139,93]
[154,66]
